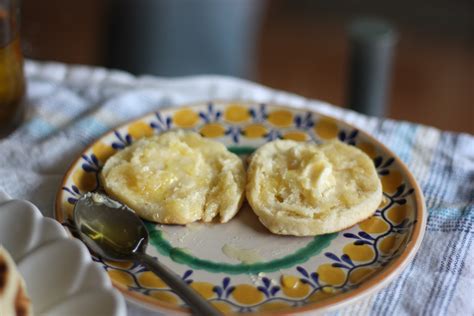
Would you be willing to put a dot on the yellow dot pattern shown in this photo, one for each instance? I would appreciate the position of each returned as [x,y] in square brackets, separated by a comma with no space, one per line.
[247,294]
[368,148]
[282,118]
[85,181]
[388,244]
[255,131]
[293,287]
[361,253]
[185,118]
[236,113]
[374,225]
[396,214]
[165,296]
[326,128]
[391,181]
[322,294]
[297,136]
[120,264]
[360,274]
[121,277]
[204,288]
[331,275]
[150,280]
[103,151]
[213,130]
[139,129]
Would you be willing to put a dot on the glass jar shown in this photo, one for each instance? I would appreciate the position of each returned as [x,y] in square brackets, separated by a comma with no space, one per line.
[12,82]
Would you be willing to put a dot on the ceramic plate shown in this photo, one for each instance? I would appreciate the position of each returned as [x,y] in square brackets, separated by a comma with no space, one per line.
[295,273]
[60,277]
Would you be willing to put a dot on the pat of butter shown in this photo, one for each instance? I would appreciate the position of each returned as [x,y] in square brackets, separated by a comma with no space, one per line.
[159,172]
[243,255]
[303,177]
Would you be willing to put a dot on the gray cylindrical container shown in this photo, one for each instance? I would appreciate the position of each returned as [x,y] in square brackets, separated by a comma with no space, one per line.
[372,44]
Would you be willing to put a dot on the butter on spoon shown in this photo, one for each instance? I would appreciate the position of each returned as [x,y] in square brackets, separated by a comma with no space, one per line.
[115,232]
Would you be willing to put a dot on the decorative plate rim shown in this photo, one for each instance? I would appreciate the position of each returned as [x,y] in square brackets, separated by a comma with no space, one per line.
[366,288]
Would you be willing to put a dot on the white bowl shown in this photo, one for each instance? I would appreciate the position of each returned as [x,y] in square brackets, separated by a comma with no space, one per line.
[60,276]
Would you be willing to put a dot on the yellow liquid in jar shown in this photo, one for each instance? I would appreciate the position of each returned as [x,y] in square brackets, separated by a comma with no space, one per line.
[12,84]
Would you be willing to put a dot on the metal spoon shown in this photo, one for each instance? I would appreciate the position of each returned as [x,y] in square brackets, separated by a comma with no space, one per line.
[115,232]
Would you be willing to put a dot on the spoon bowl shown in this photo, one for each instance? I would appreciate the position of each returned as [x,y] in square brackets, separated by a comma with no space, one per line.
[114,231]
[110,229]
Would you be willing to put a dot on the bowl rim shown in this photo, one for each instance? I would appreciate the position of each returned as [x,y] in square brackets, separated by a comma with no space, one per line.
[57,237]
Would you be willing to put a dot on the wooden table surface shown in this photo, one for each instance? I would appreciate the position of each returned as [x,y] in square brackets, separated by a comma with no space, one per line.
[303,49]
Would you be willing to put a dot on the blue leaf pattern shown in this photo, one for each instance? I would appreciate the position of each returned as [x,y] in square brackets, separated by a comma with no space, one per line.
[229,291]
[347,259]
[274,290]
[225,282]
[331,256]
[263,290]
[365,235]
[187,274]
[266,282]
[340,265]
[350,235]
[217,290]
[302,271]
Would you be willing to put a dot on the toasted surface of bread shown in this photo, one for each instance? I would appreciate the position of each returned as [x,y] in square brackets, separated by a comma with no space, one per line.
[307,189]
[177,177]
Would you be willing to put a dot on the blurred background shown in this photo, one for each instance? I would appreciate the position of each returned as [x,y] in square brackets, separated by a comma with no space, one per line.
[301,46]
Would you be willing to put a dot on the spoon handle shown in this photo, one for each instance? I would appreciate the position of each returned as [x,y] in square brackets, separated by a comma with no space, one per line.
[195,301]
